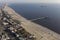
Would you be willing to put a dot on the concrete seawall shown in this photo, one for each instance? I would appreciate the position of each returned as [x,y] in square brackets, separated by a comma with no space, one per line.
[39,31]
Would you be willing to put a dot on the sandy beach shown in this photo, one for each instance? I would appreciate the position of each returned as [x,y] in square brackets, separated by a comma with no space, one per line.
[39,31]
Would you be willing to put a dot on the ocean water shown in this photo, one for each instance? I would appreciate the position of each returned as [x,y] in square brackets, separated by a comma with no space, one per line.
[34,11]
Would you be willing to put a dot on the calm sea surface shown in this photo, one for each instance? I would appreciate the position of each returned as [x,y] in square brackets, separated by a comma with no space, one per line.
[33,11]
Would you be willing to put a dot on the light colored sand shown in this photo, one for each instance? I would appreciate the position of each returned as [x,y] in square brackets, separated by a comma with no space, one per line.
[39,31]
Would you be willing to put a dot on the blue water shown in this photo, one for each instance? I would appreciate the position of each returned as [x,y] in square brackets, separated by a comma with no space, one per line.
[32,11]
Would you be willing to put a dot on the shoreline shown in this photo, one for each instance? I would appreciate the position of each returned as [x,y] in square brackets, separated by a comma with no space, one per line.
[39,31]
